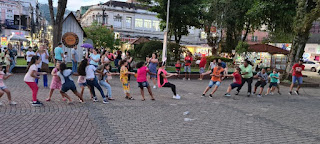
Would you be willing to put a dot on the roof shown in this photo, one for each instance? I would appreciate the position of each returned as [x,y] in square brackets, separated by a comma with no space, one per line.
[140,40]
[267,48]
[125,4]
[72,15]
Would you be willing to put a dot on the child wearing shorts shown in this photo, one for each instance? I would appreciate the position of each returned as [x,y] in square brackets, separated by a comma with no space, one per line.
[142,79]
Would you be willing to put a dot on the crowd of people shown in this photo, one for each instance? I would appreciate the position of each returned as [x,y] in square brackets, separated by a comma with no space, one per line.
[95,71]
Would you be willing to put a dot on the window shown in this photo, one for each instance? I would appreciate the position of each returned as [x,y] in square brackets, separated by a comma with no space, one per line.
[117,21]
[139,23]
[254,38]
[156,25]
[128,22]
[147,24]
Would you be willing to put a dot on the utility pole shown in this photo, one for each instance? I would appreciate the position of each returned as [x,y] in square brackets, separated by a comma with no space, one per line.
[20,6]
[165,39]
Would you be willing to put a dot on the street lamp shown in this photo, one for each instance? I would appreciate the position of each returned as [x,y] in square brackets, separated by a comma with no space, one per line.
[103,15]
[165,39]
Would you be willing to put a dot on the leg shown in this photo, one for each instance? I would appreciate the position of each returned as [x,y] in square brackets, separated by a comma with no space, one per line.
[294,79]
[63,94]
[13,64]
[206,90]
[91,87]
[142,93]
[78,95]
[108,87]
[34,87]
[250,84]
[150,92]
[37,80]
[95,83]
[50,94]
[215,89]
[8,94]
[261,90]
[229,89]
[45,81]
[243,81]
[299,83]
[7,69]
[154,80]
[172,86]
[82,90]
[1,93]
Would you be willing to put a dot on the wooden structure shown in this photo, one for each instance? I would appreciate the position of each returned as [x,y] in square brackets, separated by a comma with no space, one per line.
[71,25]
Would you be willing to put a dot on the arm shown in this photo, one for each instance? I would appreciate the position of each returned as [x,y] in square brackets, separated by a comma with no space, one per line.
[170,75]
[130,60]
[47,55]
[53,73]
[206,73]
[130,73]
[154,61]
[151,73]
[7,76]
[35,74]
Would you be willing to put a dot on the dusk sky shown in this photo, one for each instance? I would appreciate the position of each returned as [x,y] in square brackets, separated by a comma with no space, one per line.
[75,4]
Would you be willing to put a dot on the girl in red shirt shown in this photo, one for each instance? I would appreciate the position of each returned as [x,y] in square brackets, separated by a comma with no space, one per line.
[236,81]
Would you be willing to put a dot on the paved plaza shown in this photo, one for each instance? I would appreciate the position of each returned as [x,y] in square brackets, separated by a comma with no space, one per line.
[270,119]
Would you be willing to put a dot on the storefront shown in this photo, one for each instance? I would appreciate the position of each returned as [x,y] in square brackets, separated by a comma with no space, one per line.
[271,56]
[199,50]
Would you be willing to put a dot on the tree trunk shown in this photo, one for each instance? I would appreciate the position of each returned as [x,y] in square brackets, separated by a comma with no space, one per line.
[247,31]
[297,50]
[57,22]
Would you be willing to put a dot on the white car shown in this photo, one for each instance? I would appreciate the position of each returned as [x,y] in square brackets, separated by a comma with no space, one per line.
[311,65]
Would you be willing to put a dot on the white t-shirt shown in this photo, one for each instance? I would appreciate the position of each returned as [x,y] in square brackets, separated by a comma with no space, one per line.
[28,77]
[29,53]
[43,58]
[90,70]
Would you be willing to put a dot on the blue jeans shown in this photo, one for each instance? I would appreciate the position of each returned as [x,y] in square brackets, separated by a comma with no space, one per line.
[12,65]
[107,86]
[299,79]
[116,62]
[94,83]
[74,66]
[45,79]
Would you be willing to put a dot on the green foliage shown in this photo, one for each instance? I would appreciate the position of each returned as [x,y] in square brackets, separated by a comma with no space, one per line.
[102,36]
[242,47]
[211,58]
[150,47]
[174,51]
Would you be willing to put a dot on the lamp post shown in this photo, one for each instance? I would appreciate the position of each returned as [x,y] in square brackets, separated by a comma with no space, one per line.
[165,39]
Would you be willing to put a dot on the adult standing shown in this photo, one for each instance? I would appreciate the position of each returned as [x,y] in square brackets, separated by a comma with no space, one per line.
[247,76]
[2,54]
[58,53]
[75,59]
[44,64]
[202,66]
[153,63]
[118,58]
[94,58]
[187,65]
[296,76]
[30,53]
[129,59]
[105,59]
[12,54]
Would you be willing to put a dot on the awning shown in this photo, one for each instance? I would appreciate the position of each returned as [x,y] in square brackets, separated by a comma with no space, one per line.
[267,48]
[17,38]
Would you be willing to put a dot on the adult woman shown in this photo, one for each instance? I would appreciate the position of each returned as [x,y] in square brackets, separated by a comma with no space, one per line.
[104,58]
[247,76]
[118,58]
[94,58]
[44,64]
[129,60]
[153,63]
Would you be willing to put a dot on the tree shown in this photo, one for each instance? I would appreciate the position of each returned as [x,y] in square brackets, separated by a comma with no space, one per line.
[56,21]
[184,14]
[102,36]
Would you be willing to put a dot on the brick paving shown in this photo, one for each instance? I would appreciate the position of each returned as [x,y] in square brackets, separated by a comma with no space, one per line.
[270,119]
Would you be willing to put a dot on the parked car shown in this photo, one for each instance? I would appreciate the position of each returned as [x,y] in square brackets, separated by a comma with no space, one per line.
[311,65]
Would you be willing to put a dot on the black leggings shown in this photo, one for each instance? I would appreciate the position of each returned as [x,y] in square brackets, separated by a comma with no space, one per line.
[249,81]
[173,87]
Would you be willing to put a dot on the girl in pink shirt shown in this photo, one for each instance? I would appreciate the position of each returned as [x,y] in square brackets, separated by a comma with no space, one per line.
[142,79]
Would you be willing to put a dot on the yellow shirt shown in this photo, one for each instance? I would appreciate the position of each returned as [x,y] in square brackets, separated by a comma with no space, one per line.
[123,74]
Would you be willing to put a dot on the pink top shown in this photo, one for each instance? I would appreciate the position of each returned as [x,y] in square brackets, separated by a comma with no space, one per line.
[161,80]
[56,77]
[1,79]
[142,74]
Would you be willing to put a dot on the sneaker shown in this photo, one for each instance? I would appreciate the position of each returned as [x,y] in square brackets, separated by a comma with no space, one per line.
[203,95]
[178,97]
[266,94]
[249,94]
[290,92]
[12,103]
[237,93]
[227,95]
[188,78]
[36,104]
[259,95]
[105,101]
[154,87]
[297,92]
[174,97]
[210,96]
[254,93]
[95,99]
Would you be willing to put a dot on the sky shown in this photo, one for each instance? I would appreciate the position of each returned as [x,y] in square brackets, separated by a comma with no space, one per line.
[76,4]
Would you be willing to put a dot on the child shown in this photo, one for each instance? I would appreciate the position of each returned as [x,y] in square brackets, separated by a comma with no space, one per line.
[3,88]
[273,81]
[142,79]
[67,82]
[7,61]
[236,81]
[103,81]
[82,77]
[92,81]
[163,76]
[30,79]
[65,56]
[178,67]
[124,79]
[262,81]
[202,66]
[56,82]
[216,75]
